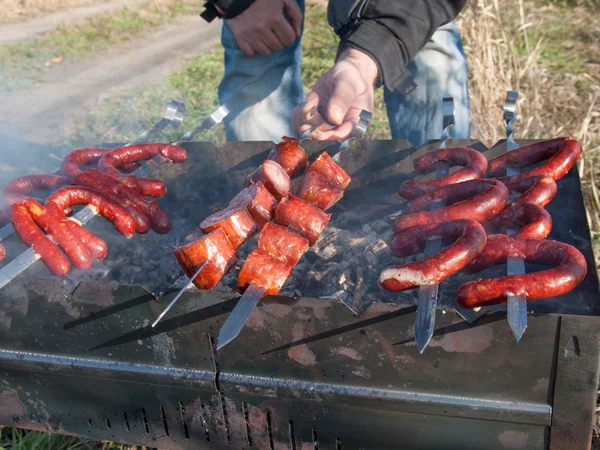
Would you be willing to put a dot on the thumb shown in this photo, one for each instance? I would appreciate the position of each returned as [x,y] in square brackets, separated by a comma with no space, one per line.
[294,14]
[341,99]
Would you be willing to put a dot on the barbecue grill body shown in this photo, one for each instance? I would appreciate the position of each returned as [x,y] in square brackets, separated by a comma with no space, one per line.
[305,372]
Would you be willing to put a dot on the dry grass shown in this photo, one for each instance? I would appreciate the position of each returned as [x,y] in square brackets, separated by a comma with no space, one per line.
[14,10]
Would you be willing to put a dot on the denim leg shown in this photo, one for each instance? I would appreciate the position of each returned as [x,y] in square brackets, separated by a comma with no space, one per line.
[262,91]
[439,70]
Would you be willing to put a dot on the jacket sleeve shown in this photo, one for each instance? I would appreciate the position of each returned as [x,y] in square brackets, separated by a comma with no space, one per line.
[390,31]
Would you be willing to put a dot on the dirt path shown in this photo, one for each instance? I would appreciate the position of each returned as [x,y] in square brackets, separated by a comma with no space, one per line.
[37,112]
[33,28]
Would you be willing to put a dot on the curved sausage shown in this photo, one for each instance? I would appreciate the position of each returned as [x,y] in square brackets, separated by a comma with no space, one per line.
[538,189]
[18,189]
[468,239]
[259,202]
[213,249]
[274,177]
[136,153]
[263,270]
[559,155]
[96,246]
[76,195]
[32,236]
[72,162]
[2,252]
[569,270]
[533,221]
[474,163]
[236,222]
[474,199]
[289,155]
[55,226]
[142,222]
[282,243]
[325,166]
[317,190]
[302,217]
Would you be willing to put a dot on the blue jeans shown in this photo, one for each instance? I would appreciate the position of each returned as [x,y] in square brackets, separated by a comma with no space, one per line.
[263,90]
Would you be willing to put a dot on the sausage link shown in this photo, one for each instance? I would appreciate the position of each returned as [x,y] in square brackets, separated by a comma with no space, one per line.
[259,202]
[474,163]
[560,155]
[289,155]
[71,164]
[537,189]
[55,226]
[18,189]
[533,220]
[302,217]
[2,252]
[474,199]
[75,195]
[467,239]
[569,270]
[110,189]
[274,177]
[96,246]
[32,236]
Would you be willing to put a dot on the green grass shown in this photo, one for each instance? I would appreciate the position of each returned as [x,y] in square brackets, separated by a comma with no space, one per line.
[122,117]
[24,63]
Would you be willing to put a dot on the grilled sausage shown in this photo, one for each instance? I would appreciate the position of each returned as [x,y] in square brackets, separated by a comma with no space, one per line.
[317,190]
[560,155]
[18,189]
[302,217]
[289,155]
[265,271]
[55,226]
[533,220]
[538,189]
[569,270]
[274,177]
[32,236]
[75,195]
[235,221]
[96,246]
[282,243]
[109,190]
[259,202]
[325,166]
[215,250]
[467,239]
[474,199]
[71,164]
[2,252]
[136,153]
[474,163]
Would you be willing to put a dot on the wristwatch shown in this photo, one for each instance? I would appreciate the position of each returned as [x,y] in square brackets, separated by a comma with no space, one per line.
[227,9]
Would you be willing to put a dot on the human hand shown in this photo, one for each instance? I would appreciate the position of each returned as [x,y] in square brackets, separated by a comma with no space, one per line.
[263,27]
[339,96]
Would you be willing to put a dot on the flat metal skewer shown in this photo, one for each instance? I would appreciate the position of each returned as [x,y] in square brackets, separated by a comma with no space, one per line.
[173,117]
[241,313]
[428,294]
[516,308]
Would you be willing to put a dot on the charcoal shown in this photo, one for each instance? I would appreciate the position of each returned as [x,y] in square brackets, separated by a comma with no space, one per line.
[380,226]
[328,252]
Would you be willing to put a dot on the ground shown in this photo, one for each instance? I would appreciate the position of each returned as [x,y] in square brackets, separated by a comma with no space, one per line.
[102,72]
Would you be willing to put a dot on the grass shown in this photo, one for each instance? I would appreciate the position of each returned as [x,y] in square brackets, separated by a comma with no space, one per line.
[24,63]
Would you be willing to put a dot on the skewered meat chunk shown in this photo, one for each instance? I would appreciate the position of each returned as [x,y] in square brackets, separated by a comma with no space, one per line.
[282,243]
[302,217]
[316,189]
[259,202]
[274,177]
[289,155]
[235,221]
[264,271]
[325,166]
[213,249]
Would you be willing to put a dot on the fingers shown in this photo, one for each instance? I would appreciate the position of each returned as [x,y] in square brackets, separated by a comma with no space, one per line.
[260,47]
[342,97]
[270,39]
[294,13]
[284,31]
[246,47]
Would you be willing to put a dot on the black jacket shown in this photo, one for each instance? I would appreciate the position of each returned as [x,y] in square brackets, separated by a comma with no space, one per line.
[390,31]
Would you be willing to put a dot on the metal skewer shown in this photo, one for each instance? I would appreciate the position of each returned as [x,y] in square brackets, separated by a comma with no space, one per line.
[172,118]
[241,313]
[516,308]
[428,294]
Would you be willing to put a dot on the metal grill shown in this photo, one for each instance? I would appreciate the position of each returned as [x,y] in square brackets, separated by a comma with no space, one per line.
[305,372]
